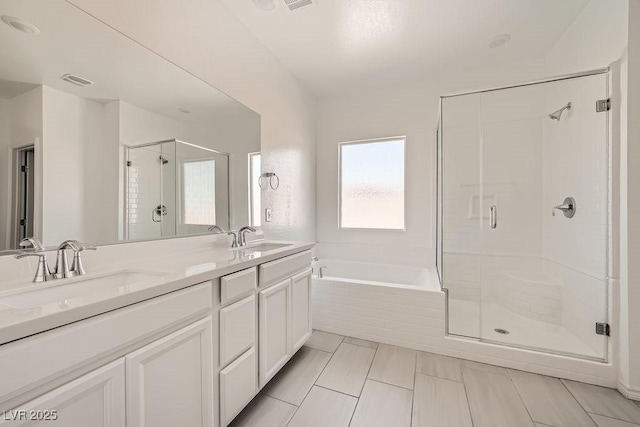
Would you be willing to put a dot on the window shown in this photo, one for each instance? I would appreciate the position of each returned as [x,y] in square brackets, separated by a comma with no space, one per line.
[372,184]
[199,180]
[254,189]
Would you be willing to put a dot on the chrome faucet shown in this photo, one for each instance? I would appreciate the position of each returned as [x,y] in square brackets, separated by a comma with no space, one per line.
[62,271]
[33,242]
[242,235]
[216,229]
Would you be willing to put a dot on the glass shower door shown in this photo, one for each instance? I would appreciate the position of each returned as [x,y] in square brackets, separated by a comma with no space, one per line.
[524,186]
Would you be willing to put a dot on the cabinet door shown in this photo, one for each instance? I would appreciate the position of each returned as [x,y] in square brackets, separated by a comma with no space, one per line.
[95,399]
[170,382]
[274,327]
[300,309]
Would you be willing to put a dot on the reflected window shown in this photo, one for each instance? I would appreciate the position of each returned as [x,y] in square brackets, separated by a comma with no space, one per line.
[372,184]
[254,189]
[199,180]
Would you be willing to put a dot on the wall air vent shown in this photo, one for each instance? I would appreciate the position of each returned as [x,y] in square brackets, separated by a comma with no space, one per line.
[76,80]
[297,4]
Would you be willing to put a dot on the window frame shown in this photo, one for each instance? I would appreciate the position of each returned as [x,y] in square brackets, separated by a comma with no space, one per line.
[404,181]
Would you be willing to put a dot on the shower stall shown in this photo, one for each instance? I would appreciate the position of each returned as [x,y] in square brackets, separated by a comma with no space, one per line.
[174,188]
[523,214]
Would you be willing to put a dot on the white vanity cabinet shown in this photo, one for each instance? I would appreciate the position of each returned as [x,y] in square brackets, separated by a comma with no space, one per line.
[96,399]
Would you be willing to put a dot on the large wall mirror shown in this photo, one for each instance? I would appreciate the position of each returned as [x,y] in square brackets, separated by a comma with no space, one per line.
[102,140]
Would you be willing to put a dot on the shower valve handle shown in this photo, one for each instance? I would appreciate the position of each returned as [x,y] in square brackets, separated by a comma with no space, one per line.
[568,207]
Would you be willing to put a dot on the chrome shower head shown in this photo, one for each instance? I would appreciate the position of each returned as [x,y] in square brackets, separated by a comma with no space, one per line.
[556,115]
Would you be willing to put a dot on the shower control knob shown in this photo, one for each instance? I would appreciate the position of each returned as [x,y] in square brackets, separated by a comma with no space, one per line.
[568,207]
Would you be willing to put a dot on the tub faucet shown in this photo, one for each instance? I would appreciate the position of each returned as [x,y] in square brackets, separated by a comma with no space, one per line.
[320,274]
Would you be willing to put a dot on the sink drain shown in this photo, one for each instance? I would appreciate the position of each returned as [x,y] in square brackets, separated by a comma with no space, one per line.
[501,331]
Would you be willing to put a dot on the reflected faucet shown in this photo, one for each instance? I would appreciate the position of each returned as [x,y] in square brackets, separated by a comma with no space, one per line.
[216,229]
[33,242]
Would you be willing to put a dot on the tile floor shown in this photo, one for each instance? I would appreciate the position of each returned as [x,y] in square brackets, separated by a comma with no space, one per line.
[338,381]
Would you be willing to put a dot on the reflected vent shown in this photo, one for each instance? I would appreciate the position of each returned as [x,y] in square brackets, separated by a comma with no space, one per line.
[76,80]
[297,4]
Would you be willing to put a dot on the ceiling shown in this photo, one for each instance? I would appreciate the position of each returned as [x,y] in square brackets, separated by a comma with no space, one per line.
[333,46]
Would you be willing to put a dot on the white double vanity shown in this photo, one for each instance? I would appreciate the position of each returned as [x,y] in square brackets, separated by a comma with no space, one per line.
[185,340]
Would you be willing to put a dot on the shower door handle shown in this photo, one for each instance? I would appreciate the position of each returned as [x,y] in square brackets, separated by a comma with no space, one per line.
[493,216]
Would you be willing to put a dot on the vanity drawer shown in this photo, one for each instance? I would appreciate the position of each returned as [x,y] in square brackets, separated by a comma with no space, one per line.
[237,386]
[237,285]
[275,271]
[237,329]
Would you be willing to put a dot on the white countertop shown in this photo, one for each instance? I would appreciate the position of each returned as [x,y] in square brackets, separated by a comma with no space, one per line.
[164,274]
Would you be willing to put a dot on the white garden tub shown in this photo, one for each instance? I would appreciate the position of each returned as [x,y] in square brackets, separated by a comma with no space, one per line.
[394,304]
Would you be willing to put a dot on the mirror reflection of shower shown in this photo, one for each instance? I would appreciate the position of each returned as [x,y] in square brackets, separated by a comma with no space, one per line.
[556,115]
[173,187]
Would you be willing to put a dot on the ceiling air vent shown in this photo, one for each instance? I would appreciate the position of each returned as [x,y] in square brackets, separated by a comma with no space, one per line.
[297,4]
[76,80]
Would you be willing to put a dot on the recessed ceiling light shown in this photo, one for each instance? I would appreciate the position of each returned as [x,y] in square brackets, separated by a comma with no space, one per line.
[184,110]
[20,25]
[499,41]
[266,5]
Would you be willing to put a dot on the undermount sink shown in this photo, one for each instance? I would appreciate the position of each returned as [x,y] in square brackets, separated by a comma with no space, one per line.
[80,290]
[263,247]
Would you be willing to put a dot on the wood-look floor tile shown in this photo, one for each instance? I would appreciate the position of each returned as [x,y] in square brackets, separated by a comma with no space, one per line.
[324,408]
[347,370]
[394,365]
[297,377]
[484,367]
[383,405]
[604,401]
[324,341]
[364,343]
[494,400]
[603,421]
[439,366]
[439,402]
[265,411]
[548,401]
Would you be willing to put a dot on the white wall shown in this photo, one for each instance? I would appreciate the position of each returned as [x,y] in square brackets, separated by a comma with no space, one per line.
[583,48]
[206,39]
[630,218]
[409,109]
[70,126]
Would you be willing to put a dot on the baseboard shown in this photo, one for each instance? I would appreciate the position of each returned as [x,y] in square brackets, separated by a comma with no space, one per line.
[628,391]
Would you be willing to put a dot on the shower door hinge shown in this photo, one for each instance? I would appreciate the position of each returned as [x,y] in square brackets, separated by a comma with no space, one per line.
[603,105]
[128,162]
[603,329]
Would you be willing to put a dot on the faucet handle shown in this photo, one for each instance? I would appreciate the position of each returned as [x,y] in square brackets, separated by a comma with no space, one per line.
[42,273]
[234,244]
